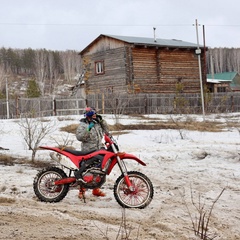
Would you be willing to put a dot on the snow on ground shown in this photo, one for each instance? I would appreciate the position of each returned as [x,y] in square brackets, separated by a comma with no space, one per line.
[193,169]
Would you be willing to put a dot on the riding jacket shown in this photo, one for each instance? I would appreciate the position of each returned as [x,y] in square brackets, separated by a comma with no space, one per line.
[91,139]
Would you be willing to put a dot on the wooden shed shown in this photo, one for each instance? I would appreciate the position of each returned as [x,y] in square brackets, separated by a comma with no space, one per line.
[146,65]
[224,82]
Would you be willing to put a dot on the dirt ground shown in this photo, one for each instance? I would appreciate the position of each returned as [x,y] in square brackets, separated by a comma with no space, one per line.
[24,217]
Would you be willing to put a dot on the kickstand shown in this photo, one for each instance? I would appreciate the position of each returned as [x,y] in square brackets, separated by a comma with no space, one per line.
[82,191]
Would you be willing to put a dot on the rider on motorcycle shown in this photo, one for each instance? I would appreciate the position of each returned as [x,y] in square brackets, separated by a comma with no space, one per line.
[90,132]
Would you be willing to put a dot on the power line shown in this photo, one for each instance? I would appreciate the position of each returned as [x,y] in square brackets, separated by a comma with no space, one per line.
[114,25]
[223,25]
[84,24]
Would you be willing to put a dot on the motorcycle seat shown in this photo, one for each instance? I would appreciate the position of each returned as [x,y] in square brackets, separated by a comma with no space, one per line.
[78,153]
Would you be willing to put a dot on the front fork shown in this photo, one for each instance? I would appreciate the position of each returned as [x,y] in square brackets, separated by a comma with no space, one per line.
[123,169]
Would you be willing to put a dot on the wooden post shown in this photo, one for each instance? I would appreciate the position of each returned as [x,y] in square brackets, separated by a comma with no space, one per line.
[17,106]
[103,103]
[145,104]
[232,104]
[54,107]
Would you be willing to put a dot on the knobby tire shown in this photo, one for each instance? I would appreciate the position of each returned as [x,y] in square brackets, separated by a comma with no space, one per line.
[44,188]
[140,198]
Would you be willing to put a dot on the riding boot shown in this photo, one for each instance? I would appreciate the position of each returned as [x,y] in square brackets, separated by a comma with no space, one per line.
[97,192]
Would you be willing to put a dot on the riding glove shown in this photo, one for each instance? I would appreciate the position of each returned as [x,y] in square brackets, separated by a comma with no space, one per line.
[90,126]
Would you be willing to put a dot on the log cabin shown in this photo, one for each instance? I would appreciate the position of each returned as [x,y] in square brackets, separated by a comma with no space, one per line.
[142,65]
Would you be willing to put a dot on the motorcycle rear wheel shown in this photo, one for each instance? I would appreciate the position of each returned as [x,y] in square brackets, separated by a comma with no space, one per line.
[44,186]
[140,197]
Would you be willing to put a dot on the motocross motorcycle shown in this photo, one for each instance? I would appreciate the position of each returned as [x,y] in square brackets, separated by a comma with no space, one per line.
[132,189]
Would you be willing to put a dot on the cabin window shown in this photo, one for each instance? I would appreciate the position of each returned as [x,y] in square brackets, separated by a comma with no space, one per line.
[221,89]
[99,67]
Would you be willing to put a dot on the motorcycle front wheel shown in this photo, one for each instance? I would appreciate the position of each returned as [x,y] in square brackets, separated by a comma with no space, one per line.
[140,197]
[44,186]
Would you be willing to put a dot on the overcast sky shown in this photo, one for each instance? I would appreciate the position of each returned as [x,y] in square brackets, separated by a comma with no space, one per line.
[73,24]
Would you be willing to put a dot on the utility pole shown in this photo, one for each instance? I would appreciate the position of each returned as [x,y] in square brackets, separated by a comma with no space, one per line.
[204,56]
[198,53]
[212,69]
[7,101]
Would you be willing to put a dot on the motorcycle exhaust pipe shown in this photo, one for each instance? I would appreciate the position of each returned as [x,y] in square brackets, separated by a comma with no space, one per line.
[65,181]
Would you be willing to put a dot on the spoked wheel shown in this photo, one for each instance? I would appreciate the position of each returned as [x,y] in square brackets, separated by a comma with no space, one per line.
[140,197]
[44,186]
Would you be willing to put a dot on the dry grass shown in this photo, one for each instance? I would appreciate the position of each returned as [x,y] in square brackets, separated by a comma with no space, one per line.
[39,164]
[200,126]
[65,118]
[8,160]
[70,128]
[152,124]
[6,200]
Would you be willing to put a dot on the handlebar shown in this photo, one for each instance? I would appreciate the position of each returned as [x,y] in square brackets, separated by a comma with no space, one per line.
[108,138]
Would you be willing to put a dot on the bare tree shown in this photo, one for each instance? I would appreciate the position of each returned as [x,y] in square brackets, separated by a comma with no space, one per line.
[33,131]
[41,68]
[124,232]
[52,73]
[179,128]
[65,141]
[2,76]
[224,59]
[5,78]
[200,223]
[118,103]
[71,63]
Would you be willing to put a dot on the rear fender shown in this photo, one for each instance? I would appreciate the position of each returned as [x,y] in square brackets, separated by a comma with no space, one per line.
[77,159]
[69,156]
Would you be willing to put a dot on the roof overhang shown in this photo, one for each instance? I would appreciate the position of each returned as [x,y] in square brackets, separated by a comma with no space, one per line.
[209,80]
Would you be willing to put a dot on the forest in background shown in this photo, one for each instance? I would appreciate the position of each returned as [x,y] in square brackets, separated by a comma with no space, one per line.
[50,69]
[223,60]
[47,68]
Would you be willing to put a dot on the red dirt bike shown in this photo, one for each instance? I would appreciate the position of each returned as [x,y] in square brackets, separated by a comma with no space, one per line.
[132,189]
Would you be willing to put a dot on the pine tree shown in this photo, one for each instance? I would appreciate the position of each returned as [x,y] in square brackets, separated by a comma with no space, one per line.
[33,89]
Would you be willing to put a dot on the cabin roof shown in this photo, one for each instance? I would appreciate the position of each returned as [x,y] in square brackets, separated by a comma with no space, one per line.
[155,42]
[158,42]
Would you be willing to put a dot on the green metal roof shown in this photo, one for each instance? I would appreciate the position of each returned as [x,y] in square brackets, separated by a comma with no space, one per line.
[155,42]
[229,76]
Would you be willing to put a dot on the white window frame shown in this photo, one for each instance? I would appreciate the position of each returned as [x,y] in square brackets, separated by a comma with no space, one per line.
[99,67]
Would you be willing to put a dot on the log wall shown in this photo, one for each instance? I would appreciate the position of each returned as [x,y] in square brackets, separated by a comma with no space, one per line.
[114,77]
[160,70]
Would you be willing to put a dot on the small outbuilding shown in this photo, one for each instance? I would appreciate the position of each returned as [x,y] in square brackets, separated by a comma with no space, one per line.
[223,82]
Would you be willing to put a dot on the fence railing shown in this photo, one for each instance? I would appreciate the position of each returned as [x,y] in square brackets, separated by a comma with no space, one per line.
[121,103]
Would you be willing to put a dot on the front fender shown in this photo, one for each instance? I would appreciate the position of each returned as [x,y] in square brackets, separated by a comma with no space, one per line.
[122,156]
[131,156]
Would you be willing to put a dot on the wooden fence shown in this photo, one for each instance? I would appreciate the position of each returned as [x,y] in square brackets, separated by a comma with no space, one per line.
[121,104]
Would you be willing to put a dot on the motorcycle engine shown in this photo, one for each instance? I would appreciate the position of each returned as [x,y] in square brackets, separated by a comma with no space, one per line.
[94,178]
